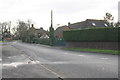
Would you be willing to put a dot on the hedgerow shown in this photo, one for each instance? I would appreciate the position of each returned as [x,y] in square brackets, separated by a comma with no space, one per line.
[92,34]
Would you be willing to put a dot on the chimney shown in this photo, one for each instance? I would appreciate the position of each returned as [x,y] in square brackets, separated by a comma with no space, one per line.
[68,23]
[32,25]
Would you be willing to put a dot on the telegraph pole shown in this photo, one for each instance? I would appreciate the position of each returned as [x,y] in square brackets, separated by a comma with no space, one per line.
[51,30]
[119,11]
[51,18]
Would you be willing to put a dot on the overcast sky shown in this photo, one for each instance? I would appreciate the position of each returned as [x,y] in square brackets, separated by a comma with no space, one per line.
[64,11]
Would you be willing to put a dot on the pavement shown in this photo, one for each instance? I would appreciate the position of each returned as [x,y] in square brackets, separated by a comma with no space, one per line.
[23,60]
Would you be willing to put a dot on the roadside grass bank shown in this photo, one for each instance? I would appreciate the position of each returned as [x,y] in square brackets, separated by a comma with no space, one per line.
[8,41]
[115,52]
[2,41]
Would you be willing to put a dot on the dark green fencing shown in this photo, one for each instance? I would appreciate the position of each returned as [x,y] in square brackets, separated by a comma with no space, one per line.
[59,42]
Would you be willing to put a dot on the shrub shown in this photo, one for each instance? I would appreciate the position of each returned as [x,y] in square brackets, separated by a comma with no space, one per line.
[44,41]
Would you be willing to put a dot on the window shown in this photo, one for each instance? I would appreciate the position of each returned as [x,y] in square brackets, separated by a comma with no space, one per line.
[105,25]
[93,24]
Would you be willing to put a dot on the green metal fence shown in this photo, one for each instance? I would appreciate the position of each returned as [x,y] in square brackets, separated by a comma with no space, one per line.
[59,42]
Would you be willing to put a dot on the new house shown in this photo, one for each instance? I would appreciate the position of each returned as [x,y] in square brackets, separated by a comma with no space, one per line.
[89,23]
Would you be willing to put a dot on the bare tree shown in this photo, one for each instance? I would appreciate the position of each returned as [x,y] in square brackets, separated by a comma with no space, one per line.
[117,24]
[5,29]
[22,30]
[109,18]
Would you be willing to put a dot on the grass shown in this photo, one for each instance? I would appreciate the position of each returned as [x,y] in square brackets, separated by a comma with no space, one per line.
[1,41]
[8,41]
[94,50]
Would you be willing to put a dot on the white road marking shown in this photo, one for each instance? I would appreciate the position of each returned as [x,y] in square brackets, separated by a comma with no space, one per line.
[50,70]
[71,62]
[0,59]
[9,57]
[14,56]
[103,68]
[81,55]
[45,67]
[65,53]
[104,58]
[16,64]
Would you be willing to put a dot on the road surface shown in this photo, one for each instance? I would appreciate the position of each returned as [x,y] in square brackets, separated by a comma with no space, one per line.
[23,60]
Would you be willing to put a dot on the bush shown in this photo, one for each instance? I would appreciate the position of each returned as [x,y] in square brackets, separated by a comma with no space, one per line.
[92,34]
[43,41]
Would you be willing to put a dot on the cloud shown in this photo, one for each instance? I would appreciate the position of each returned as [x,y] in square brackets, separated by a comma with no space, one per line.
[64,10]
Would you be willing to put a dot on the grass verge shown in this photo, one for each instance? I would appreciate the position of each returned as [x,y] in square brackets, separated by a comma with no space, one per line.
[1,41]
[94,50]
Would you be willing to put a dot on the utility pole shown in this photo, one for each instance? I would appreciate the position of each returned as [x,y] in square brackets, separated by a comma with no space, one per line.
[51,18]
[29,24]
[9,27]
[51,30]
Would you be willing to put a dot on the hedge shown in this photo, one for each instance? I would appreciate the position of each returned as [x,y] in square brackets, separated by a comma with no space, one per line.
[43,41]
[92,34]
[38,41]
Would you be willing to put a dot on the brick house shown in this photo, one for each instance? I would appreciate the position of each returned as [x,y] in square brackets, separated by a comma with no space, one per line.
[59,31]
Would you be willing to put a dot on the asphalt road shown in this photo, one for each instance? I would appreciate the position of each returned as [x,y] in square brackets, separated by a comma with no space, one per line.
[22,60]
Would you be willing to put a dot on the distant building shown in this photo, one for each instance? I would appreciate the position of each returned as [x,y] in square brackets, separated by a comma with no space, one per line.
[44,36]
[6,35]
[89,23]
[0,31]
[41,32]
[119,11]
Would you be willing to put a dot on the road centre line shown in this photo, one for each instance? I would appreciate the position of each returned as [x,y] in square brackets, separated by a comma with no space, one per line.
[81,55]
[74,54]
[32,59]
[104,58]
[65,53]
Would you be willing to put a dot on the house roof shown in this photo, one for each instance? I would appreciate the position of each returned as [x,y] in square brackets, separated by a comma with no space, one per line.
[40,31]
[44,36]
[61,29]
[89,23]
